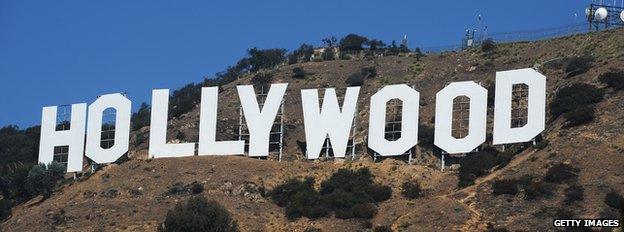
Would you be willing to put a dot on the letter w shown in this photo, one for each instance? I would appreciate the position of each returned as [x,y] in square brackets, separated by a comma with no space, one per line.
[329,122]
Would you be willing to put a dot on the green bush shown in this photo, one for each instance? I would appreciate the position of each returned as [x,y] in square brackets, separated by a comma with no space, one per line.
[284,193]
[578,65]
[570,98]
[298,73]
[614,200]
[196,188]
[505,186]
[474,166]
[350,194]
[411,189]
[613,79]
[535,189]
[383,228]
[355,79]
[199,214]
[561,172]
[574,193]
[579,116]
[262,79]
[328,54]
[5,208]
[300,199]
[306,204]
[42,179]
[488,46]
[369,72]
[364,210]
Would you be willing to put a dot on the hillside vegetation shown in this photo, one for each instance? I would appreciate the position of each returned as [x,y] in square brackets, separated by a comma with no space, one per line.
[574,171]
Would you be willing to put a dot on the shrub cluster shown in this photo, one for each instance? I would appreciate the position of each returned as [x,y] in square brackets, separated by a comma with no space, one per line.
[5,208]
[382,229]
[576,103]
[578,65]
[574,193]
[613,79]
[262,78]
[488,46]
[42,178]
[199,214]
[348,193]
[355,79]
[369,72]
[561,172]
[183,100]
[480,163]
[141,118]
[298,73]
[301,54]
[533,188]
[411,189]
[579,116]
[614,200]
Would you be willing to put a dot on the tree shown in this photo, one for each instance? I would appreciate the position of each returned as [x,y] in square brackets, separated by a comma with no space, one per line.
[303,53]
[183,100]
[393,50]
[418,54]
[265,58]
[488,46]
[403,48]
[330,42]
[141,118]
[328,54]
[199,214]
[375,44]
[353,42]
[42,178]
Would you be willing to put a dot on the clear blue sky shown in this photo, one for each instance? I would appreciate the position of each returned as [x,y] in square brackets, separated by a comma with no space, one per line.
[61,52]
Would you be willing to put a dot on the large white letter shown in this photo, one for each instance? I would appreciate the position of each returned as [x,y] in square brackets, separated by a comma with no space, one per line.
[377,141]
[123,112]
[158,147]
[329,121]
[73,138]
[536,117]
[259,121]
[208,127]
[444,117]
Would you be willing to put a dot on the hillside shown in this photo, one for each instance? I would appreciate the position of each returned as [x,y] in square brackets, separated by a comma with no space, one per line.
[135,195]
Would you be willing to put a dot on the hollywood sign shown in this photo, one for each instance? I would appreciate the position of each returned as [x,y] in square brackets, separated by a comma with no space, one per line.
[327,121]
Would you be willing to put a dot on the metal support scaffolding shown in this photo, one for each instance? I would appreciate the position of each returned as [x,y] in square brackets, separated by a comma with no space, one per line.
[276,137]
[327,147]
[460,125]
